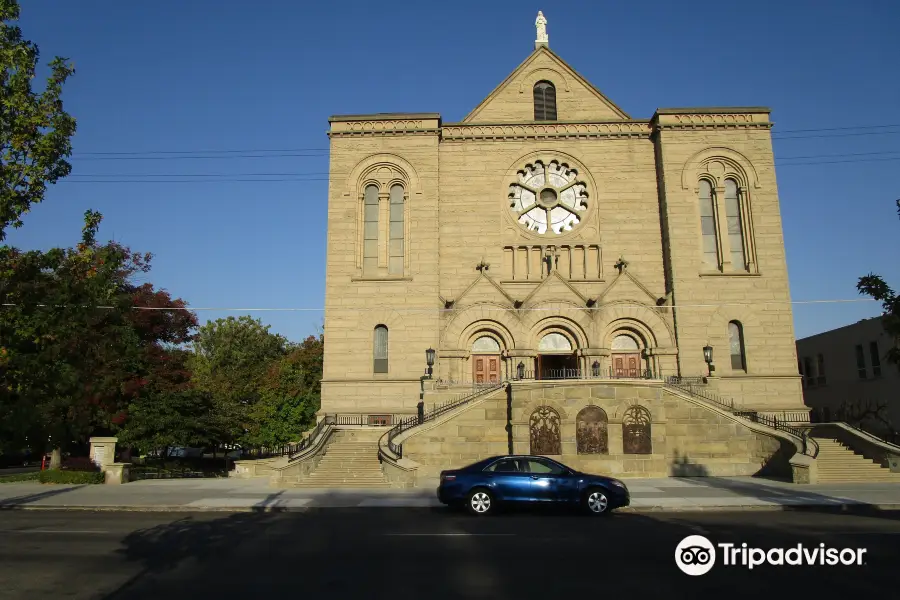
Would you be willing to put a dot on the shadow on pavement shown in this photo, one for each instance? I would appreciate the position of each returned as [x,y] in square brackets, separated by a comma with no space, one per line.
[796,498]
[441,554]
[19,501]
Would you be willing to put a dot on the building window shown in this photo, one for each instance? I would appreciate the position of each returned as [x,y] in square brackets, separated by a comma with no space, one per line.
[820,370]
[636,431]
[370,230]
[708,224]
[876,359]
[736,346]
[544,426]
[735,227]
[381,349]
[591,431]
[810,373]
[544,101]
[548,199]
[395,261]
[860,362]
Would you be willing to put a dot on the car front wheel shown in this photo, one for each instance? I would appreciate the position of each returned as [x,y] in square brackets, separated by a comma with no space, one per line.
[480,502]
[596,502]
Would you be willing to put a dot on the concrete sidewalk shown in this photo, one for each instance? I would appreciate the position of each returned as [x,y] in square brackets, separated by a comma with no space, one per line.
[668,494]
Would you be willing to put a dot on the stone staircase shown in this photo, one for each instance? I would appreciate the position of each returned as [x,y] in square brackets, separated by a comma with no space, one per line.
[350,461]
[838,463]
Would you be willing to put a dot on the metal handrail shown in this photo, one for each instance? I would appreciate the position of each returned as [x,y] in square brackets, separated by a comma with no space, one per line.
[436,411]
[688,384]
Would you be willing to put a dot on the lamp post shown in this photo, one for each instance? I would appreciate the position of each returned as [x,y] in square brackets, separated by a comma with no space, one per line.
[595,369]
[708,357]
[429,361]
[520,370]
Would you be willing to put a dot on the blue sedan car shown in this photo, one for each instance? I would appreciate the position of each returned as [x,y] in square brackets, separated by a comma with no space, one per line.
[522,479]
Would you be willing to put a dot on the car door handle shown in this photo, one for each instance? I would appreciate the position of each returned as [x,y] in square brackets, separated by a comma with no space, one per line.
[534,476]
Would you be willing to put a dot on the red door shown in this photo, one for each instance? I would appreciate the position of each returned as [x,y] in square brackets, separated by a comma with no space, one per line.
[486,368]
[627,365]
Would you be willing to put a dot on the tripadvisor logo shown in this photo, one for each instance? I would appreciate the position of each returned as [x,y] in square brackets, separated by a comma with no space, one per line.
[696,555]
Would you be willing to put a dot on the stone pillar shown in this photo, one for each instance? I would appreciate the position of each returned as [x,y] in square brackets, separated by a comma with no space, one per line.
[103,451]
[117,473]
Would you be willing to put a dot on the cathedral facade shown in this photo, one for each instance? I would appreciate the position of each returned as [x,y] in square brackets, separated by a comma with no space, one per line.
[548,237]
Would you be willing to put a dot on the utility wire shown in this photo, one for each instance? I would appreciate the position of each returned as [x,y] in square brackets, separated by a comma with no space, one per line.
[321,151]
[445,310]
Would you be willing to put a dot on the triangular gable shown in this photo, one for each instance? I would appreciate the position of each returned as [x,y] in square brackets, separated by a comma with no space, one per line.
[627,287]
[576,98]
[483,289]
[553,289]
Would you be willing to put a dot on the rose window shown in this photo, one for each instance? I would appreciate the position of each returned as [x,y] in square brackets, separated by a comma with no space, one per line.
[549,199]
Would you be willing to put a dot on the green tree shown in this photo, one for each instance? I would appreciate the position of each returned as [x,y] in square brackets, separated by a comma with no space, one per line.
[35,131]
[169,410]
[69,350]
[290,396]
[230,361]
[875,287]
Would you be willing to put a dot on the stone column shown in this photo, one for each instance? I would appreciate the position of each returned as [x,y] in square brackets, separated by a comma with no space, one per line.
[103,451]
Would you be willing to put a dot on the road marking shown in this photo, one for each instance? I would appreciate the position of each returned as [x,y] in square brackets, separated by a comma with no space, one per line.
[448,534]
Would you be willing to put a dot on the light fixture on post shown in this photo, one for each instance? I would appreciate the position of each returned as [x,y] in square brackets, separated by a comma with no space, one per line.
[429,361]
[708,357]
[595,369]
[520,370]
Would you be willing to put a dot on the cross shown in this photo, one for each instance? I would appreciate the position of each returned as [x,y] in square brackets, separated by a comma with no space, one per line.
[482,266]
[621,264]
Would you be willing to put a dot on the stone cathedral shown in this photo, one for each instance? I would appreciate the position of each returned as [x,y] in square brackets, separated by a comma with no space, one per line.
[582,256]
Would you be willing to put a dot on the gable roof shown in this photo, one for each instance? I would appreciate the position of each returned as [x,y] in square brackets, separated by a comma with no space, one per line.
[545,52]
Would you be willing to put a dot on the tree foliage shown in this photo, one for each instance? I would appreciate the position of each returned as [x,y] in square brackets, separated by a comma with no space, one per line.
[875,287]
[290,396]
[35,131]
[230,361]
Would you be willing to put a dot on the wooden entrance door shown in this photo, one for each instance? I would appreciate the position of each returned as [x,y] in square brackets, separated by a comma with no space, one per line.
[627,365]
[486,368]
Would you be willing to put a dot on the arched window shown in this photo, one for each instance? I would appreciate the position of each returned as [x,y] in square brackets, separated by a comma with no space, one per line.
[636,431]
[370,230]
[485,344]
[381,349]
[591,431]
[735,227]
[625,343]
[736,346]
[544,101]
[555,342]
[544,426]
[708,224]
[395,262]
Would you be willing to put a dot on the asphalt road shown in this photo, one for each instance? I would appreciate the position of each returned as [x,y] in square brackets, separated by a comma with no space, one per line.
[425,554]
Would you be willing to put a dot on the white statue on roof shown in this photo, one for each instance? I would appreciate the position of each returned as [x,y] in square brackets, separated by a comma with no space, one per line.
[541,24]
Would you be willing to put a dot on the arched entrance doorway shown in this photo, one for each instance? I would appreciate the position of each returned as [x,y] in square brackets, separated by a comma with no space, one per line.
[485,360]
[556,357]
[626,356]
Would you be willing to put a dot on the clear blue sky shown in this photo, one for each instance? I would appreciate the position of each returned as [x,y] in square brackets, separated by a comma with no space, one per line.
[228,75]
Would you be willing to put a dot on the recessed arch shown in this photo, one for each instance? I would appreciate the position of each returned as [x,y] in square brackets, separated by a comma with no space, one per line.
[592,431]
[734,162]
[493,317]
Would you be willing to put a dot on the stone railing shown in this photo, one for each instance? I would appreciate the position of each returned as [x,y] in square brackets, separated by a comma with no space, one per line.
[575,262]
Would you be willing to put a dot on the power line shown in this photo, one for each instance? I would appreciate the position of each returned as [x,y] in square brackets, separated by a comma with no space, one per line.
[321,151]
[446,310]
[320,173]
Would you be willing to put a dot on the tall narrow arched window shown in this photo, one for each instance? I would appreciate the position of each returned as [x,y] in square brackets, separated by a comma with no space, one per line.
[544,101]
[370,229]
[735,227]
[708,225]
[381,349]
[395,262]
[736,346]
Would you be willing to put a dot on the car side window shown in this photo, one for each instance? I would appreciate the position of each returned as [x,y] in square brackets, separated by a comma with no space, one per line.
[504,466]
[542,467]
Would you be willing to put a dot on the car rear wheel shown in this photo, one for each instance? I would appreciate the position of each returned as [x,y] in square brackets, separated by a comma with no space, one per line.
[480,502]
[596,502]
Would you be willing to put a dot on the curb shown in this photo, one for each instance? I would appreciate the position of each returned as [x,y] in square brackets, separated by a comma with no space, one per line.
[846,508]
